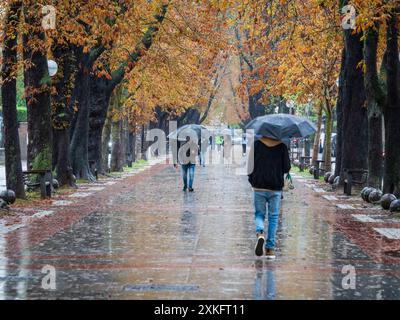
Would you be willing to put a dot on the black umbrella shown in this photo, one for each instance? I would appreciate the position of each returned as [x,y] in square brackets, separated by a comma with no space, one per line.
[189,131]
[282,126]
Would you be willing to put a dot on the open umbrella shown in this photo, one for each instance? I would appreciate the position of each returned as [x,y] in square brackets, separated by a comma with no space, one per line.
[282,126]
[188,131]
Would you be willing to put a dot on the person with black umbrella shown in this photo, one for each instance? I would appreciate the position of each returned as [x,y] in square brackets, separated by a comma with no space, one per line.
[186,157]
[185,150]
[270,163]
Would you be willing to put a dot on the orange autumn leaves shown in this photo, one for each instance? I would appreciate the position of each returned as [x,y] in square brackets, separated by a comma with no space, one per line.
[295,46]
[298,48]
[175,72]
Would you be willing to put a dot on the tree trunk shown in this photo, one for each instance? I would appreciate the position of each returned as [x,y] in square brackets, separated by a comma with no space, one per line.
[61,154]
[79,141]
[317,136]
[328,138]
[117,163]
[256,109]
[133,136]
[62,112]
[143,143]
[105,141]
[14,178]
[162,120]
[117,159]
[125,135]
[283,108]
[355,121]
[375,100]
[190,116]
[339,118]
[392,112]
[37,90]
[124,141]
[307,147]
[100,94]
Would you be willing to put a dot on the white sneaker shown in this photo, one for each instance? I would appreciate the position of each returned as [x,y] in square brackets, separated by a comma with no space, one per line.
[270,254]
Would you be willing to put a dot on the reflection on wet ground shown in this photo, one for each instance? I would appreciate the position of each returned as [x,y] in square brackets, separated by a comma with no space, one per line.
[153,241]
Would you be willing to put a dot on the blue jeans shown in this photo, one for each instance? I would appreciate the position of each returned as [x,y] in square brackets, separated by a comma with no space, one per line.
[202,157]
[188,168]
[273,199]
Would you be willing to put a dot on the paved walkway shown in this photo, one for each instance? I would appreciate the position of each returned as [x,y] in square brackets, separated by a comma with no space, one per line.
[143,238]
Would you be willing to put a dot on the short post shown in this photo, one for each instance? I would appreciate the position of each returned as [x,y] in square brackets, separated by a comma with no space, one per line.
[48,178]
[302,164]
[348,181]
[316,171]
[93,169]
[43,191]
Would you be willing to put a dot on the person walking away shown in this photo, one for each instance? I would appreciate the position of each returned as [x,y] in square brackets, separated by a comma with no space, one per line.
[187,153]
[218,142]
[202,154]
[244,144]
[223,145]
[271,163]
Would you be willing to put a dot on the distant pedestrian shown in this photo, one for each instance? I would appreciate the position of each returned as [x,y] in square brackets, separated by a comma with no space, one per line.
[244,144]
[202,154]
[219,142]
[187,154]
[271,162]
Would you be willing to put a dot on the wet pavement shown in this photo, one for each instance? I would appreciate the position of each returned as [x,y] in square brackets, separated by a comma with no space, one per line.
[141,237]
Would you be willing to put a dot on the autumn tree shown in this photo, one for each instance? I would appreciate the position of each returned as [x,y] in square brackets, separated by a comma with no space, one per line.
[9,70]
[37,88]
[392,108]
[181,73]
[300,45]
[375,101]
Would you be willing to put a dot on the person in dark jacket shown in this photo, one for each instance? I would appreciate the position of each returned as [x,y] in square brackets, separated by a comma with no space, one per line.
[186,157]
[271,163]
[244,144]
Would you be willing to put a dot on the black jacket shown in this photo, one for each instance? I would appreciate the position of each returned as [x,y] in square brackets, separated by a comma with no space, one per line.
[186,153]
[270,166]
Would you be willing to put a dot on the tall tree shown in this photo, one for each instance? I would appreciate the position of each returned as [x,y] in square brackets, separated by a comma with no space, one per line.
[317,135]
[14,178]
[80,140]
[392,109]
[117,139]
[339,116]
[355,122]
[62,111]
[37,88]
[375,99]
[102,87]
[105,142]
